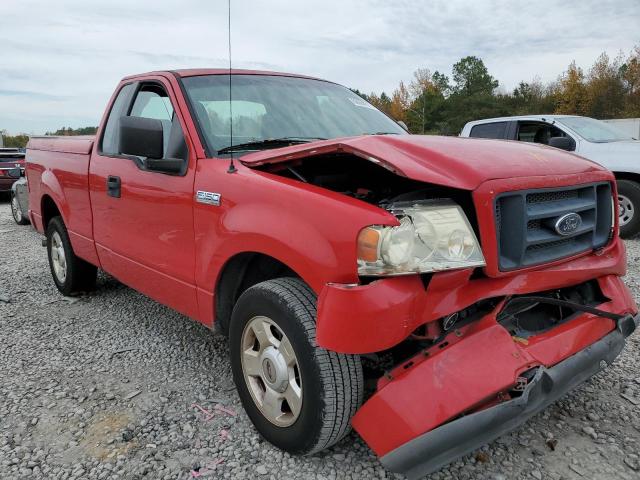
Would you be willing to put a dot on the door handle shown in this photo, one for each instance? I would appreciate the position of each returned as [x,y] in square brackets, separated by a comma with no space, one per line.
[113,186]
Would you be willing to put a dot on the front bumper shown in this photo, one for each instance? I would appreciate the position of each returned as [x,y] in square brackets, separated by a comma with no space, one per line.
[434,449]
[379,315]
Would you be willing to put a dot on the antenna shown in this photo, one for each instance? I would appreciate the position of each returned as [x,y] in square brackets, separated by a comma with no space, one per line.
[232,167]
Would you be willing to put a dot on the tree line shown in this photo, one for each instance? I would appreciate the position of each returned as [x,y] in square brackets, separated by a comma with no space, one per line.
[21,140]
[434,102]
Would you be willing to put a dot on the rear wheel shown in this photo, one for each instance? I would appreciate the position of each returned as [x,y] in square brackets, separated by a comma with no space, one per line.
[71,274]
[19,217]
[299,396]
[628,208]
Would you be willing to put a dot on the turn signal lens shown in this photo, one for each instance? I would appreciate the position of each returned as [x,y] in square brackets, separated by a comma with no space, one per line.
[368,240]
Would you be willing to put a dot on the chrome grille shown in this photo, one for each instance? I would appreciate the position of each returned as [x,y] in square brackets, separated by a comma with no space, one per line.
[526,223]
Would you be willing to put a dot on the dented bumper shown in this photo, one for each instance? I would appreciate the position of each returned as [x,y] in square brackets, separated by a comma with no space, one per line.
[459,395]
[432,450]
[374,317]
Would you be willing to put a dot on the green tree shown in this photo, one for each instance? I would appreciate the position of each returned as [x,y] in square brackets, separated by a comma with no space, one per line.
[471,77]
[68,131]
[571,92]
[605,89]
[630,73]
[15,141]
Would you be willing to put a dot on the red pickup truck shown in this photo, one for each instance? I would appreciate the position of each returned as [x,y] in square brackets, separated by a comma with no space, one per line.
[431,292]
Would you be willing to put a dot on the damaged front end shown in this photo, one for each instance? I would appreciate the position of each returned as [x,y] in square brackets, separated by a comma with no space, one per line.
[487,377]
[474,310]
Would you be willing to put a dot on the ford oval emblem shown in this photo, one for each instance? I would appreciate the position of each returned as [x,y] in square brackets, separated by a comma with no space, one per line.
[568,224]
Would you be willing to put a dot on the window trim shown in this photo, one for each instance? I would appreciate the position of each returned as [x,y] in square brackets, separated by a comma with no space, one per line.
[192,112]
[139,84]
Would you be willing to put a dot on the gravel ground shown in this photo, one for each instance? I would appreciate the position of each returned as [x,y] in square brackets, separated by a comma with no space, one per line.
[105,386]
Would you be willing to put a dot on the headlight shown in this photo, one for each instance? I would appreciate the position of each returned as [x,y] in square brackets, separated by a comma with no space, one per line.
[432,236]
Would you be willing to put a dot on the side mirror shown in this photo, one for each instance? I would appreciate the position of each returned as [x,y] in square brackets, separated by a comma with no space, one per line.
[563,143]
[142,137]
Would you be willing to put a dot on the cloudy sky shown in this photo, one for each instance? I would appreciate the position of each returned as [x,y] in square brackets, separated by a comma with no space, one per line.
[61,59]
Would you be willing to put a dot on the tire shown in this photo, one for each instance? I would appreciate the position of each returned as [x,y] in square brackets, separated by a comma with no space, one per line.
[18,216]
[331,384]
[629,208]
[79,276]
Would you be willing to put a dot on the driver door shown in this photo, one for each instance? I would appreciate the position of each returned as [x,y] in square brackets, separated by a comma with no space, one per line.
[143,220]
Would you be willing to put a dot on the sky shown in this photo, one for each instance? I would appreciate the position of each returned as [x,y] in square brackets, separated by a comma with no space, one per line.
[61,60]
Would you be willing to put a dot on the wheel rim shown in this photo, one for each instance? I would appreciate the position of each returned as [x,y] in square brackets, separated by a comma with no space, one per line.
[58,257]
[625,210]
[271,372]
[15,209]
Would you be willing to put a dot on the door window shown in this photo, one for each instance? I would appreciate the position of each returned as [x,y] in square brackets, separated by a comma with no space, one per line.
[538,132]
[489,130]
[111,135]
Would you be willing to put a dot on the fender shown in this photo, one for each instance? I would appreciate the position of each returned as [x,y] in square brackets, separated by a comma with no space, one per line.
[291,227]
[50,185]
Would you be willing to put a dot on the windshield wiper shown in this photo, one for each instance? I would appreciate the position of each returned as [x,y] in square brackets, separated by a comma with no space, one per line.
[269,143]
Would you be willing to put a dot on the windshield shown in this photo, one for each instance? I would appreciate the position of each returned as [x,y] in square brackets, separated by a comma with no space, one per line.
[594,130]
[275,107]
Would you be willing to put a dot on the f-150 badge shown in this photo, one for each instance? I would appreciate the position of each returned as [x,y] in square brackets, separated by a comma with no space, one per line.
[209,198]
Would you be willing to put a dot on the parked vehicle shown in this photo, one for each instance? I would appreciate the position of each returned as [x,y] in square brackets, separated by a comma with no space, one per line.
[629,126]
[587,137]
[20,197]
[10,159]
[320,231]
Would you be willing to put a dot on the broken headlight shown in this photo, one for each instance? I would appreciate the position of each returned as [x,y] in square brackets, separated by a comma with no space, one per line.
[432,236]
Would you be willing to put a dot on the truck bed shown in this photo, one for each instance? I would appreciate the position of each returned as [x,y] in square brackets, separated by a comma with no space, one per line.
[81,145]
[64,162]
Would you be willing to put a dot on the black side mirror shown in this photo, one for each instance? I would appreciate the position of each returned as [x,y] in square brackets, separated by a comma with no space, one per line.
[142,137]
[563,143]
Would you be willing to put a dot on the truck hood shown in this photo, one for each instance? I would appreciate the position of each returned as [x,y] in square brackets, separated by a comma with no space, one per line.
[457,162]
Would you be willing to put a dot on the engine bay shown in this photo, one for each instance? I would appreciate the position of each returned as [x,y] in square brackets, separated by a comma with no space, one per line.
[364,179]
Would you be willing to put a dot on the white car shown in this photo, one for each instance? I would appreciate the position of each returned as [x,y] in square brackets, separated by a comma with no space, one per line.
[587,137]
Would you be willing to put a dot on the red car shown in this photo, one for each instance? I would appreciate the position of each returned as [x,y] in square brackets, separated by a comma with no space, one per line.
[10,159]
[432,292]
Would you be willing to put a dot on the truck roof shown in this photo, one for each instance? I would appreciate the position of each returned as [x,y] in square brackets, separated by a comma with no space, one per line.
[194,72]
[520,117]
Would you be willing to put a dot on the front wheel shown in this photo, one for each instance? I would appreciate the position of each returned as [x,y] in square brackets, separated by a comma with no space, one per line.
[300,397]
[18,216]
[628,208]
[71,274]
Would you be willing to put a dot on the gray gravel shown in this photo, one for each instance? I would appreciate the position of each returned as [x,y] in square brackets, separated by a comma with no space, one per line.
[103,386]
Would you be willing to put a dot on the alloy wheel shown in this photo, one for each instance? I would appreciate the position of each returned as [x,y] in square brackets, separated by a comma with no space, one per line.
[625,209]
[58,257]
[271,371]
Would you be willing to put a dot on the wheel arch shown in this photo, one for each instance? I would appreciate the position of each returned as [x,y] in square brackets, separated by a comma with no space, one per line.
[634,177]
[48,209]
[240,272]
[52,200]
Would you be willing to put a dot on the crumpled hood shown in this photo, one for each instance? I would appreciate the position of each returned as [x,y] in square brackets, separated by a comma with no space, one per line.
[450,161]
